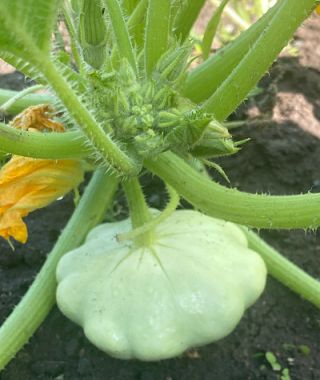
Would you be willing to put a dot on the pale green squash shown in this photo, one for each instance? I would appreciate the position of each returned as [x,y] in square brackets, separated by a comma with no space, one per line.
[189,289]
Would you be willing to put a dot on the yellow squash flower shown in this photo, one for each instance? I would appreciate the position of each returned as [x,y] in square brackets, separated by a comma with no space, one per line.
[27,184]
[318,9]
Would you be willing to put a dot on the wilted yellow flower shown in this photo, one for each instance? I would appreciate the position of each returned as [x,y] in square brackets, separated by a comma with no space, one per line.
[318,9]
[27,184]
[37,118]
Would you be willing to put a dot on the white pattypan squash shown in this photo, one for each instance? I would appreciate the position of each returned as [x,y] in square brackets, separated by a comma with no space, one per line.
[188,289]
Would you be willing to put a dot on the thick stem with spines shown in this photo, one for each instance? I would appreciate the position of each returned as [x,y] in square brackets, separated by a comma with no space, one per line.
[121,32]
[36,304]
[261,211]
[102,143]
[43,145]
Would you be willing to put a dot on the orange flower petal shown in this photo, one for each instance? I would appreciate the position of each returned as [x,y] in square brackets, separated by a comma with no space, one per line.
[11,224]
[27,184]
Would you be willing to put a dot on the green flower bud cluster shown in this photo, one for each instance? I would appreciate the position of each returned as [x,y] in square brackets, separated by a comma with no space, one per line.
[149,116]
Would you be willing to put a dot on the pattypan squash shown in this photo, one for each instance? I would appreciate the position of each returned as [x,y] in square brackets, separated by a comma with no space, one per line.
[190,287]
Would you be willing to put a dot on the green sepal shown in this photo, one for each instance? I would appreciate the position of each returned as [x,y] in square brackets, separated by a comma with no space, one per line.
[210,146]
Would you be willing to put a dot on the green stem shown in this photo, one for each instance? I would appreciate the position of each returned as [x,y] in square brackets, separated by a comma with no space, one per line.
[173,203]
[211,29]
[207,77]
[38,301]
[234,16]
[92,33]
[136,22]
[43,145]
[129,5]
[19,95]
[261,211]
[103,144]
[259,58]
[284,270]
[187,16]
[68,16]
[157,32]
[138,14]
[139,211]
[121,31]
[22,103]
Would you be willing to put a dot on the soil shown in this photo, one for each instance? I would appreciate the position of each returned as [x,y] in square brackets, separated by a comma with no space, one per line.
[282,157]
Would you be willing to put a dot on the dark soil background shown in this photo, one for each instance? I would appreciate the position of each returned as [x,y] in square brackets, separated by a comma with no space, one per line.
[283,157]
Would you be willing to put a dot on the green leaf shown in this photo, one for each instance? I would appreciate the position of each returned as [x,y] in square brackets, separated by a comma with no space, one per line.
[26,28]
[211,30]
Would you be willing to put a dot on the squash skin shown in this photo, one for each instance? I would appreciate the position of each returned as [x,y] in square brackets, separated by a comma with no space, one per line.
[189,289]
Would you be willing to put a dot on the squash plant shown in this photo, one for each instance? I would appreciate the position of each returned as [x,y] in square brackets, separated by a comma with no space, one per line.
[128,101]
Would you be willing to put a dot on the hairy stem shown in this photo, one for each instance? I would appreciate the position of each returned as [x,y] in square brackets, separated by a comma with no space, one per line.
[284,270]
[43,145]
[104,146]
[136,22]
[261,211]
[38,301]
[121,32]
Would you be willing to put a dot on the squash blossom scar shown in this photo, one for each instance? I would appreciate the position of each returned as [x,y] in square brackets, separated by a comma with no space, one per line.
[27,184]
